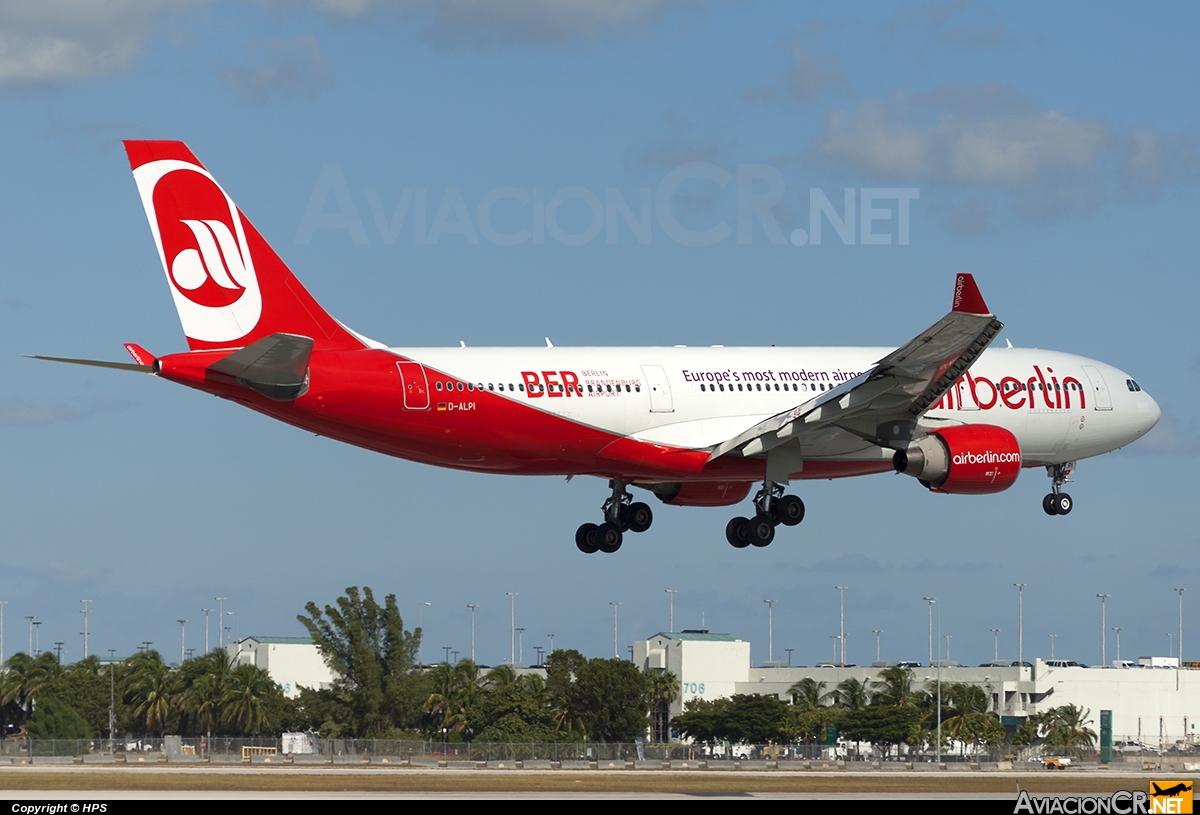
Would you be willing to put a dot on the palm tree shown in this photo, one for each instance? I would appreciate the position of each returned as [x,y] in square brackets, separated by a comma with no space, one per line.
[661,692]
[245,700]
[26,677]
[894,687]
[148,690]
[809,694]
[200,688]
[455,691]
[1067,727]
[851,694]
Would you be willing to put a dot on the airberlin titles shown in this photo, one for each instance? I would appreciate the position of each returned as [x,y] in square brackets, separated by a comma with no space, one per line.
[1041,389]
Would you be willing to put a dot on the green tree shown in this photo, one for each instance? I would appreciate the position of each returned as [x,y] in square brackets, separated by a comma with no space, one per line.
[894,687]
[607,697]
[26,678]
[851,694]
[247,699]
[884,725]
[148,691]
[809,694]
[55,719]
[662,689]
[371,656]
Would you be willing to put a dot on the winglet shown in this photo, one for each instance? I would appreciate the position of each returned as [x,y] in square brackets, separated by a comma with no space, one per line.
[140,355]
[967,298]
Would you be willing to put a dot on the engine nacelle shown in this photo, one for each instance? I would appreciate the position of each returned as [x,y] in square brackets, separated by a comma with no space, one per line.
[972,459]
[703,493]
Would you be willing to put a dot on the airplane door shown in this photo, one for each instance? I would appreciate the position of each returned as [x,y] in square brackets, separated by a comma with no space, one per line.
[415,385]
[1102,399]
[660,389]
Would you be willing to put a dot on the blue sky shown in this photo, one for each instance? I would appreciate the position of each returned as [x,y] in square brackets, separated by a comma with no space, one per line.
[1052,151]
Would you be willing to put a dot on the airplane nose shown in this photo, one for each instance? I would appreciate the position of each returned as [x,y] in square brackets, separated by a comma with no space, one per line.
[1155,413]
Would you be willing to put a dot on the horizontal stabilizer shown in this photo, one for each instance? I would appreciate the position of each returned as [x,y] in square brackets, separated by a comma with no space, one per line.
[275,366]
[97,363]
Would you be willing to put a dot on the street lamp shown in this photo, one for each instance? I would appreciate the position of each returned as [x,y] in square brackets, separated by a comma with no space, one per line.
[876,632]
[86,612]
[206,610]
[37,637]
[1052,636]
[472,606]
[842,622]
[995,644]
[512,646]
[1179,665]
[1020,624]
[1170,644]
[31,618]
[931,601]
[521,646]
[789,653]
[770,630]
[671,618]
[220,621]
[182,640]
[616,655]
[1103,630]
[1117,628]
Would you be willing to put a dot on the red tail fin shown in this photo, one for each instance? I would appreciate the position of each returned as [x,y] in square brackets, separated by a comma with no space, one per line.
[229,286]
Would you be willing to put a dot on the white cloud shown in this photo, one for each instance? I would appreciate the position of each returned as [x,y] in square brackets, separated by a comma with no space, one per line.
[296,67]
[489,24]
[51,40]
[957,22]
[991,137]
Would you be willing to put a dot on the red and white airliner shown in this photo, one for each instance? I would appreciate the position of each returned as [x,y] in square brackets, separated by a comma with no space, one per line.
[694,426]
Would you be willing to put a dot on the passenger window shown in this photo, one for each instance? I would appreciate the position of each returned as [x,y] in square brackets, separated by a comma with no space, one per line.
[439,385]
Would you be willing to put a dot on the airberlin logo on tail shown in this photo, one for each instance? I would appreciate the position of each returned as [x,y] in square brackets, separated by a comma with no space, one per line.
[202,244]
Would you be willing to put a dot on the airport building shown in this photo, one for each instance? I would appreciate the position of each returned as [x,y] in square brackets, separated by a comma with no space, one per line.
[1153,706]
[292,662]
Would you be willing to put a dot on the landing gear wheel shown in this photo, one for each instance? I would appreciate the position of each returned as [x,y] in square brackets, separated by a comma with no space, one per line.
[637,517]
[789,510]
[737,532]
[1062,504]
[1048,504]
[608,537]
[585,539]
[761,530]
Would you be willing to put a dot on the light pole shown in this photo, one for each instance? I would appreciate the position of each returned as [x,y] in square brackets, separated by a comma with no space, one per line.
[521,646]
[512,648]
[1170,643]
[789,653]
[2,604]
[835,639]
[472,606]
[58,649]
[1020,624]
[842,622]
[220,620]
[1103,630]
[614,606]
[1117,628]
[995,644]
[446,648]
[37,637]
[948,638]
[421,626]
[237,631]
[770,629]
[876,632]
[31,619]
[551,636]
[182,640]
[206,610]
[1052,636]
[671,619]
[1179,665]
[931,601]
[86,612]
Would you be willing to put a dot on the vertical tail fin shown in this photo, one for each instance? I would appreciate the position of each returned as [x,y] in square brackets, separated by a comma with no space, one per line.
[229,286]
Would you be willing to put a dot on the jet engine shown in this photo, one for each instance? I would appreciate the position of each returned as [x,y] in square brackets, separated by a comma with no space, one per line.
[965,460]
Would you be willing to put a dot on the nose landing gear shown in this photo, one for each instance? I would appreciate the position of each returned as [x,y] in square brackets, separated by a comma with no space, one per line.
[1058,502]
[621,514]
[773,508]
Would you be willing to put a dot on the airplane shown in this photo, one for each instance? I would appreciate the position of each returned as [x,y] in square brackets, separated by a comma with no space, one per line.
[692,426]
[1172,791]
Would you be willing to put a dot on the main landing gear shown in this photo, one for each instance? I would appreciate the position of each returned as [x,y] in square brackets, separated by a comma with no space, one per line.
[773,508]
[621,514]
[1058,502]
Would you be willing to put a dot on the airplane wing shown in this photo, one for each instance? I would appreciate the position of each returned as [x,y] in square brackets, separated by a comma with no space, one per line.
[883,405]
